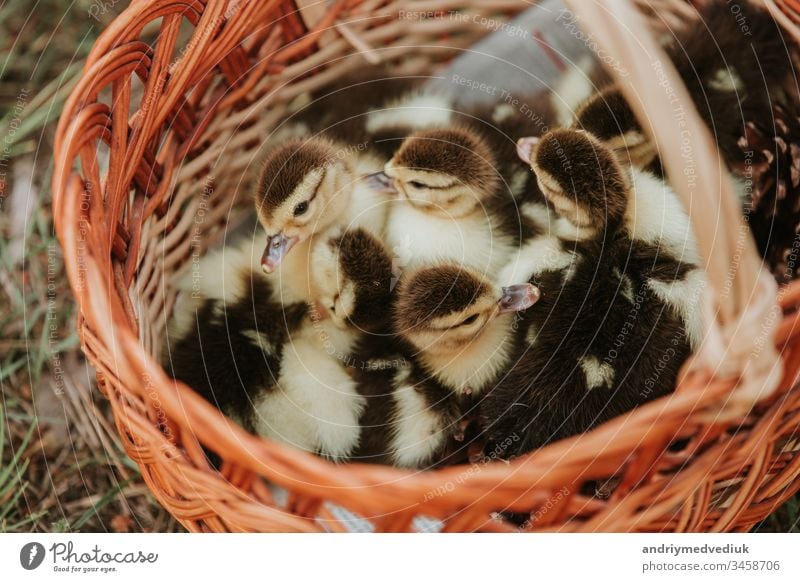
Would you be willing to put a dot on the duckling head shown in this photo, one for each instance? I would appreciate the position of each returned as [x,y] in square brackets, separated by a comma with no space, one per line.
[580,176]
[608,117]
[449,172]
[352,280]
[446,307]
[303,187]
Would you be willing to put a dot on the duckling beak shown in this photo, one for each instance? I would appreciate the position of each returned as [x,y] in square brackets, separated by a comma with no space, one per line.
[278,246]
[380,182]
[525,146]
[518,298]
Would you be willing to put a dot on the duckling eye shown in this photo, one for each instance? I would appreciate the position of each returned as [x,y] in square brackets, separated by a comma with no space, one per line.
[416,184]
[301,208]
[470,319]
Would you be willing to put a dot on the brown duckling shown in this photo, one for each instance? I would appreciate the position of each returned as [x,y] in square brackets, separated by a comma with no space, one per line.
[608,117]
[598,198]
[500,125]
[581,178]
[600,343]
[352,279]
[421,406]
[440,309]
[452,202]
[616,319]
[307,187]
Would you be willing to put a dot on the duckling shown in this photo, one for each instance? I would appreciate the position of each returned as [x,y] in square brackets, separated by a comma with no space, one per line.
[440,309]
[501,125]
[307,187]
[352,280]
[612,328]
[735,64]
[282,370]
[452,205]
[609,117]
[576,174]
[597,198]
[598,344]
[421,395]
[741,73]
[319,406]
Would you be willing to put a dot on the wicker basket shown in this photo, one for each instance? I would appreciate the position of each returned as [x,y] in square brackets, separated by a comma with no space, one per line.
[152,144]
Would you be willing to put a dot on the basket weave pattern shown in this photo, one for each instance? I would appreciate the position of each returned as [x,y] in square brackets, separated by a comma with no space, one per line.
[150,151]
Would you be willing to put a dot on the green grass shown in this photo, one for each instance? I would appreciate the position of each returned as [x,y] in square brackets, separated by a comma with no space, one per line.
[785,520]
[55,472]
[12,485]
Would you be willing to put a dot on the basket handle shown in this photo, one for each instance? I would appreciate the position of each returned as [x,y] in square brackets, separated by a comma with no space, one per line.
[311,11]
[740,304]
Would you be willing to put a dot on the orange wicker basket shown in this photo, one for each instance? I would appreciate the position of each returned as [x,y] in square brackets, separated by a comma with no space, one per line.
[156,138]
